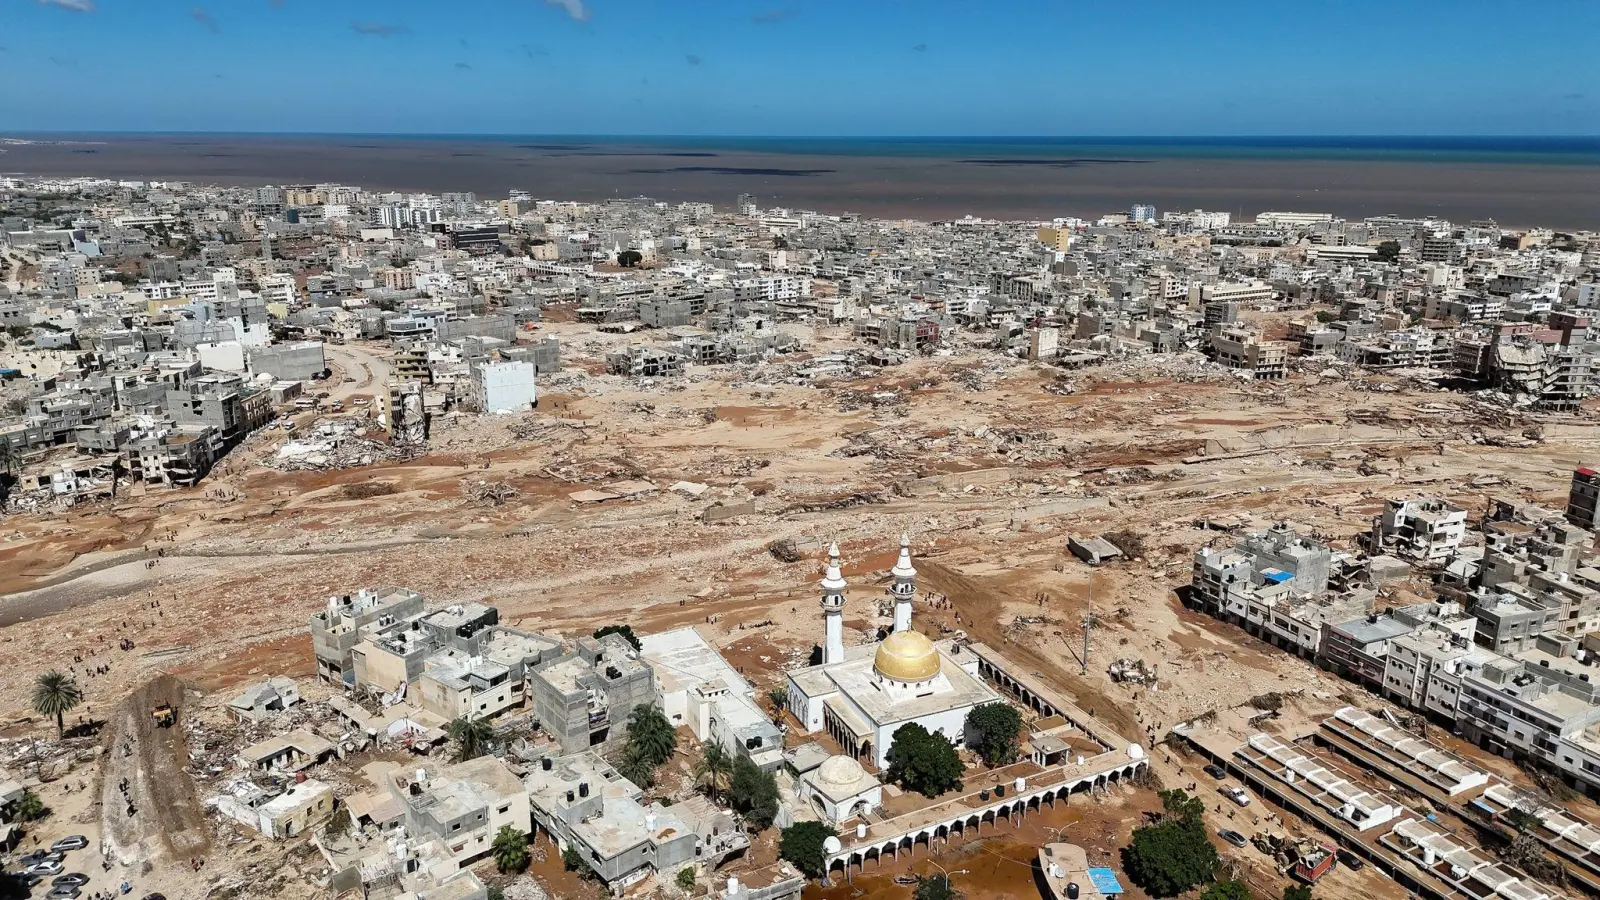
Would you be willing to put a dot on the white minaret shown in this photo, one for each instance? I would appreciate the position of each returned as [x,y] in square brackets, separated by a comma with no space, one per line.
[833,585]
[904,587]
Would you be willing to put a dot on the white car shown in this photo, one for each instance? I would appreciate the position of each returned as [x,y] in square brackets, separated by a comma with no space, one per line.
[47,867]
[1237,795]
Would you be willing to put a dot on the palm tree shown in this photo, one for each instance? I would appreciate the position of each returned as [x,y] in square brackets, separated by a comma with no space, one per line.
[28,808]
[472,737]
[118,472]
[55,694]
[715,769]
[10,459]
[650,735]
[510,850]
[9,456]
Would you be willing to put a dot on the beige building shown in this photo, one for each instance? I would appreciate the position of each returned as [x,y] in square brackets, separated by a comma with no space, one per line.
[1240,348]
[297,810]
[1057,239]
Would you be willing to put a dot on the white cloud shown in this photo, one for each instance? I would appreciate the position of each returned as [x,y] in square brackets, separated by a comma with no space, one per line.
[574,8]
[74,5]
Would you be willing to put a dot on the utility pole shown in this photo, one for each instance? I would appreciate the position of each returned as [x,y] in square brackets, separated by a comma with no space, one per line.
[1089,621]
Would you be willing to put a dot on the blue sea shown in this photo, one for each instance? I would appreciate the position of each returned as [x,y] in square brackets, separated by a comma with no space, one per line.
[1519,181]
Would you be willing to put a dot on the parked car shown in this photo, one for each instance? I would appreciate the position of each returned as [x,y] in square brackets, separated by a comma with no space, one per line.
[72,842]
[1216,771]
[64,892]
[1233,837]
[77,878]
[45,867]
[1236,794]
[1350,861]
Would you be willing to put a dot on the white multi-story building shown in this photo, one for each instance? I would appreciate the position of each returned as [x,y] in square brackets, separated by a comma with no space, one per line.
[772,288]
[1425,529]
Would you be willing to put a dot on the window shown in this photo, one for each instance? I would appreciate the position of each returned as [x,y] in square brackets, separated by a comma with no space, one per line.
[503,809]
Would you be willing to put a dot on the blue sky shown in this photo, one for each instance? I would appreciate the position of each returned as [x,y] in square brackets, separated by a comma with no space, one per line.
[807,67]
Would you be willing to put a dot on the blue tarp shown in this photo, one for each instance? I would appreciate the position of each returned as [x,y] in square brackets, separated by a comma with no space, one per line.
[1275,576]
[1105,881]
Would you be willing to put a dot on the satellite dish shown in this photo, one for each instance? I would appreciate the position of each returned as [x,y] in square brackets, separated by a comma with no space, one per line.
[832,845]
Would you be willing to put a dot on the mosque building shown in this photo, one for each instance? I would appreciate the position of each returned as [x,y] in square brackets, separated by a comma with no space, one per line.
[860,695]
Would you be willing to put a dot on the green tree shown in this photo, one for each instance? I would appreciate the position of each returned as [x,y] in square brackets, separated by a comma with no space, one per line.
[650,736]
[27,808]
[685,879]
[624,630]
[714,770]
[1297,892]
[636,768]
[1520,819]
[1226,890]
[510,850]
[629,258]
[801,844]
[935,887]
[10,454]
[780,699]
[472,737]
[992,730]
[924,762]
[754,793]
[1389,251]
[55,695]
[573,861]
[1174,854]
[1177,805]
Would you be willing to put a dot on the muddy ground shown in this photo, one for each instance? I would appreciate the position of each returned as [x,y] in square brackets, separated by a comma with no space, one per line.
[989,466]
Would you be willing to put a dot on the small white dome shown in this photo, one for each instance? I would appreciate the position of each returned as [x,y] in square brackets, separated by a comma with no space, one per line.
[840,771]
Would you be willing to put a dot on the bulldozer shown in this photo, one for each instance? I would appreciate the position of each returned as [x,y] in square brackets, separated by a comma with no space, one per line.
[164,715]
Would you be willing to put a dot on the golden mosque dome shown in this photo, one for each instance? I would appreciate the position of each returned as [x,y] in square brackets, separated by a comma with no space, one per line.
[907,656]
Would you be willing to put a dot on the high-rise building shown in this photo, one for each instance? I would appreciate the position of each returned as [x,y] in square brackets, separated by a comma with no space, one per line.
[747,205]
[1583,497]
[1142,212]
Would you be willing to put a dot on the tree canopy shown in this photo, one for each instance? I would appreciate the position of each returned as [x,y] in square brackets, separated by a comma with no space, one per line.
[510,850]
[801,844]
[1297,892]
[573,861]
[651,742]
[472,737]
[624,630]
[1389,251]
[935,887]
[1226,890]
[992,732]
[27,808]
[715,769]
[754,793]
[924,762]
[1175,854]
[55,695]
[629,258]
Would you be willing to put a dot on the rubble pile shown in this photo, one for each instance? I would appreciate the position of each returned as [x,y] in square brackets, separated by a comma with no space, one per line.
[343,452]
[488,493]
